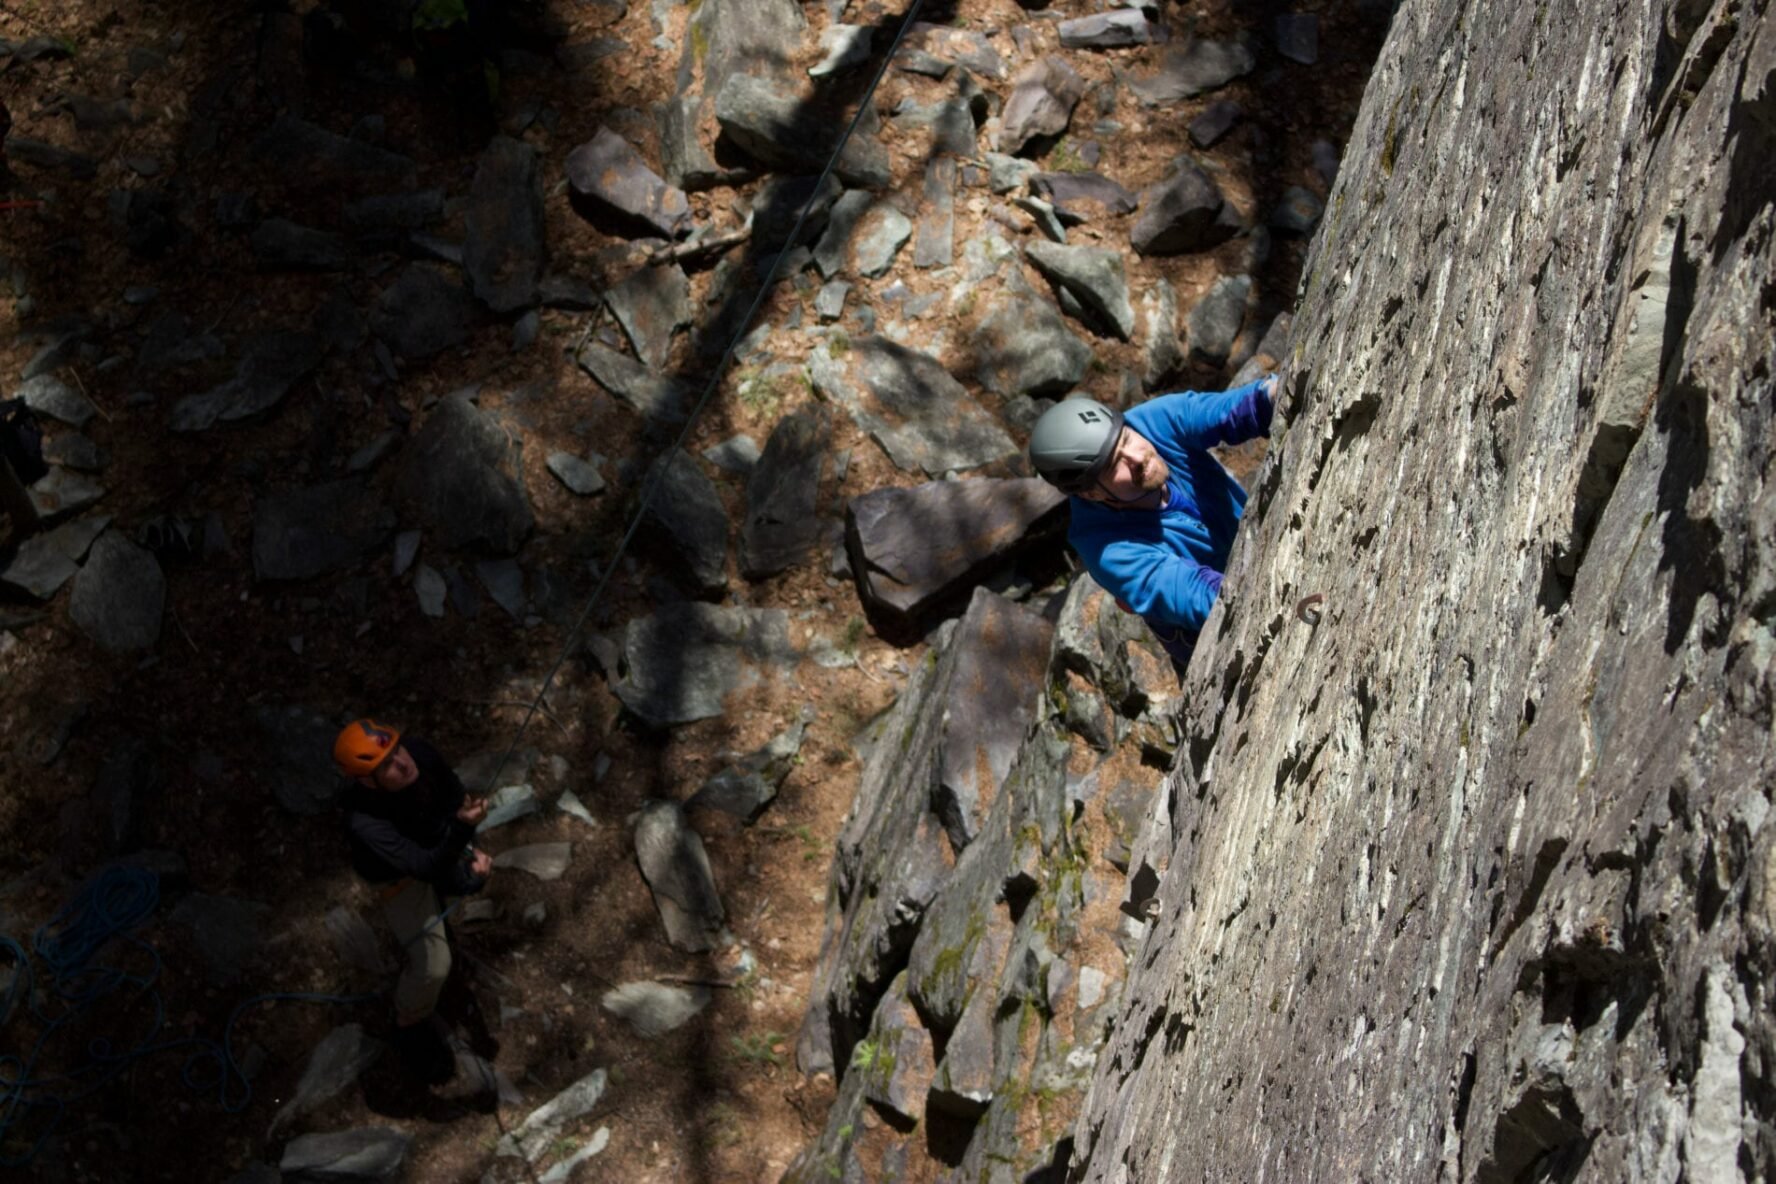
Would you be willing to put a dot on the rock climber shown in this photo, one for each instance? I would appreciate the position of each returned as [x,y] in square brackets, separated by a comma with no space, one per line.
[410,823]
[1154,514]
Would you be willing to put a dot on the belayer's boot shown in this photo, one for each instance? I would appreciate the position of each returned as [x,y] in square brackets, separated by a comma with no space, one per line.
[425,1054]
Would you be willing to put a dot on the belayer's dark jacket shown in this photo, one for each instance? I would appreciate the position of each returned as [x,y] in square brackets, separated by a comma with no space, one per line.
[413,832]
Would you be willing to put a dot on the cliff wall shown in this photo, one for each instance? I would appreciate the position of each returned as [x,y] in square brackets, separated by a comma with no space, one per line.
[1471,879]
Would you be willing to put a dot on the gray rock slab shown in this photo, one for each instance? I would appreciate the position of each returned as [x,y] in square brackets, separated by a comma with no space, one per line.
[679,664]
[842,47]
[908,403]
[225,930]
[654,1009]
[563,1171]
[504,581]
[1196,68]
[777,128]
[431,590]
[686,508]
[685,162]
[1071,192]
[778,205]
[334,1064]
[119,595]
[967,47]
[1217,318]
[738,36]
[737,454]
[75,451]
[504,241]
[578,474]
[662,401]
[781,526]
[1216,121]
[677,871]
[366,1153]
[412,210]
[1183,213]
[829,302]
[64,493]
[271,363]
[936,244]
[652,305]
[48,395]
[1108,30]
[423,312]
[307,155]
[833,250]
[508,804]
[536,1135]
[912,548]
[462,478]
[1272,349]
[745,788]
[1159,332]
[302,533]
[1298,36]
[880,235]
[545,861]
[1024,347]
[1006,173]
[282,245]
[607,171]
[1298,212]
[569,803]
[1095,277]
[1040,105]
[46,561]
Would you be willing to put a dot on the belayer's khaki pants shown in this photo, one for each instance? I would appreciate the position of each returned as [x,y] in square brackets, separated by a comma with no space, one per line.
[411,907]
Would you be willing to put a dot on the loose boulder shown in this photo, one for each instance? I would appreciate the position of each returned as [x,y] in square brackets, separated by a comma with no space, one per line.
[1095,278]
[782,527]
[677,871]
[681,663]
[503,243]
[613,177]
[462,477]
[1184,213]
[119,596]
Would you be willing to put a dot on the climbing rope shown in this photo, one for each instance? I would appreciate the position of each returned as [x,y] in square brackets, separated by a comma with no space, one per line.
[80,996]
[651,484]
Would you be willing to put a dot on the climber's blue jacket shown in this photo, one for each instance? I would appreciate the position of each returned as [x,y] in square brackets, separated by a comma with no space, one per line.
[1166,564]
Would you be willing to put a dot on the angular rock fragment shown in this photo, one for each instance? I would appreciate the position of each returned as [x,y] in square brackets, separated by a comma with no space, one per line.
[782,130]
[681,663]
[367,1153]
[336,1062]
[686,510]
[1159,320]
[843,47]
[423,313]
[1070,190]
[1200,66]
[1108,30]
[1217,317]
[463,477]
[781,527]
[534,1137]
[119,596]
[48,395]
[1095,277]
[1040,105]
[661,401]
[612,175]
[545,861]
[1024,347]
[503,243]
[1216,121]
[677,871]
[1183,213]
[46,561]
[654,1009]
[908,403]
[912,548]
[936,244]
[652,305]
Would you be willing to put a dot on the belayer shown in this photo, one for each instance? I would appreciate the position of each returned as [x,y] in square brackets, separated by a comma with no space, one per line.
[1154,514]
[411,825]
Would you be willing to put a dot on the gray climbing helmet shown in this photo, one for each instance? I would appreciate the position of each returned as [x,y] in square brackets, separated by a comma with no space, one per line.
[1073,442]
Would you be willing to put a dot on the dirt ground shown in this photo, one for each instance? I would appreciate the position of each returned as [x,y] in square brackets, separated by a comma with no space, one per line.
[717,1100]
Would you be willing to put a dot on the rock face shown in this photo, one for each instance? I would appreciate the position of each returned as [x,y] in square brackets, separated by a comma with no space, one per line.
[1481,861]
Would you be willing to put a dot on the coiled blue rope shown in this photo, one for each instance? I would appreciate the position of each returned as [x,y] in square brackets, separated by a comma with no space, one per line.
[78,991]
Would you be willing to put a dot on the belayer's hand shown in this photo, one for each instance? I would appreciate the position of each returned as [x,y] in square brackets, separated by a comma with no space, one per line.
[481,864]
[472,811]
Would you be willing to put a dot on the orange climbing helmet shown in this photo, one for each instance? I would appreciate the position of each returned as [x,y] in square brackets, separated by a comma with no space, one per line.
[363,745]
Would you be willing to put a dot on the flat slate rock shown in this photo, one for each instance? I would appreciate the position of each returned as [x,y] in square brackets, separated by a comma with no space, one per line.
[681,663]
[1298,212]
[777,128]
[504,243]
[119,596]
[302,533]
[1298,36]
[366,1153]
[736,454]
[579,475]
[677,871]
[271,363]
[462,476]
[652,305]
[1024,347]
[48,395]
[1197,68]
[63,494]
[913,548]
[1183,213]
[1109,30]
[536,1135]
[745,788]
[1216,121]
[336,1062]
[423,312]
[607,171]
[1217,318]
[1095,277]
[305,154]
[504,581]
[782,527]
[1068,191]
[1159,320]
[654,1009]
[46,561]
[545,861]
[1040,105]
[908,403]
[663,402]
[686,509]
